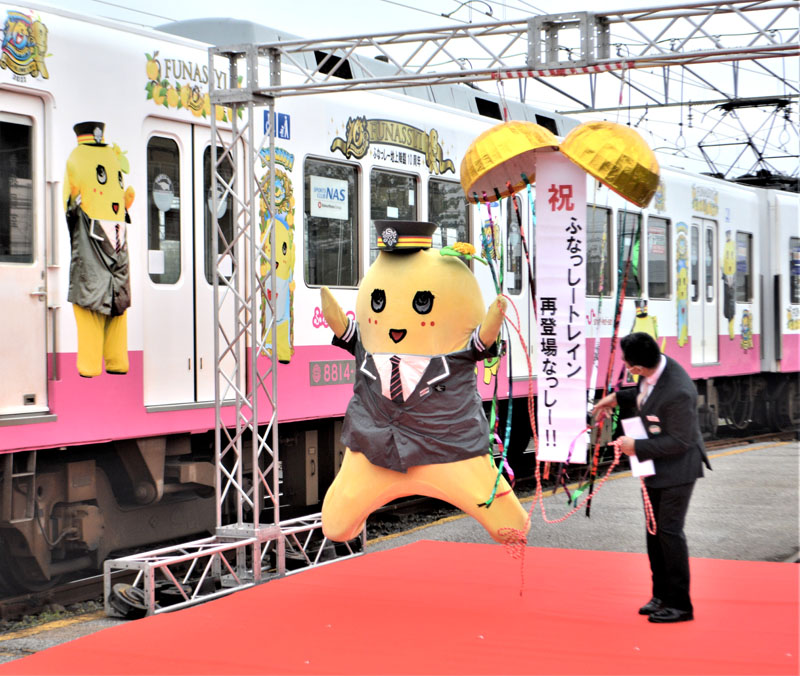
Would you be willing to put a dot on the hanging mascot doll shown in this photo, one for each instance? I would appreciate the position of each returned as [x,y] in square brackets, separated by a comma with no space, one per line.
[96,203]
[415,424]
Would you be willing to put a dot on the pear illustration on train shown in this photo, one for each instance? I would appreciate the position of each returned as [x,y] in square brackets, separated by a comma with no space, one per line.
[415,424]
[97,205]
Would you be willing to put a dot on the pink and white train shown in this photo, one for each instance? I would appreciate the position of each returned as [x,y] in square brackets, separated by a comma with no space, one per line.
[95,464]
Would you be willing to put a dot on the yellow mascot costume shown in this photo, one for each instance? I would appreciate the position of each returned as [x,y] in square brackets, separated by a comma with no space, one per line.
[415,424]
[96,203]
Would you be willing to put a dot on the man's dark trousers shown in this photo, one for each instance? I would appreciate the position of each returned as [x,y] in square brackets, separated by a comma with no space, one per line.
[669,555]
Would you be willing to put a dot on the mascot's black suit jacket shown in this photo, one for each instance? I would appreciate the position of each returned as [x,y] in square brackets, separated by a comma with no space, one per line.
[441,421]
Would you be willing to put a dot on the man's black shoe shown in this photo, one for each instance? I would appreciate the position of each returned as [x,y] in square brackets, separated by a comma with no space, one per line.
[651,606]
[670,615]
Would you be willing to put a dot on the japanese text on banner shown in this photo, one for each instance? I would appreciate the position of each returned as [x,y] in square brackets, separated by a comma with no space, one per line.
[560,301]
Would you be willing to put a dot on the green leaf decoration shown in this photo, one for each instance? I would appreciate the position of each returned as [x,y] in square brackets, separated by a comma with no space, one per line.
[450,251]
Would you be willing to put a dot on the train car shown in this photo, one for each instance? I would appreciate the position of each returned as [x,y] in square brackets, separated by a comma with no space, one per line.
[107,415]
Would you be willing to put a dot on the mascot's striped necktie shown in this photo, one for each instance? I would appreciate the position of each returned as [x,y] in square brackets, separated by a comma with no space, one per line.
[395,386]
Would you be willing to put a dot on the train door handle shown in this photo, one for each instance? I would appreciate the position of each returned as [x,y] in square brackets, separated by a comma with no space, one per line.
[41,293]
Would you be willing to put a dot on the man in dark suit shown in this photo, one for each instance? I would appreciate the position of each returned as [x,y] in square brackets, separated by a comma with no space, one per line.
[666,402]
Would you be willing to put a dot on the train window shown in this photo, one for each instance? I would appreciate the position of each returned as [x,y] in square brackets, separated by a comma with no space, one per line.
[513,248]
[744,267]
[694,257]
[163,210]
[392,196]
[331,218]
[16,193]
[658,265]
[794,269]
[710,276]
[598,249]
[630,236]
[224,210]
[547,122]
[488,108]
[449,210]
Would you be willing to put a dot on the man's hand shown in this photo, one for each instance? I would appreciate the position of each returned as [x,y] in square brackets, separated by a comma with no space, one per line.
[604,407]
[626,445]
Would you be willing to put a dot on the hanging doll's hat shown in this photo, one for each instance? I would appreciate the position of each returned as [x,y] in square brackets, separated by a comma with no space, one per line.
[404,235]
[90,133]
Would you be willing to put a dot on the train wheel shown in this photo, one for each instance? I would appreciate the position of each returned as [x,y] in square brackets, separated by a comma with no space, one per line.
[787,408]
[736,403]
[17,576]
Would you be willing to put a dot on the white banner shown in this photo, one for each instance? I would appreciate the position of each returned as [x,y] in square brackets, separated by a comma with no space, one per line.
[560,299]
[329,198]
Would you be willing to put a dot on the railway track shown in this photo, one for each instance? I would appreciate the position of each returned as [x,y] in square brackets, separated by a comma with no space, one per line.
[400,515]
[14,608]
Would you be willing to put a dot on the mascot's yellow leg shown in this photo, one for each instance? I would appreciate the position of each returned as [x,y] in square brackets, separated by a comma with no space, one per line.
[115,349]
[358,490]
[467,484]
[361,487]
[91,329]
[731,329]
[285,350]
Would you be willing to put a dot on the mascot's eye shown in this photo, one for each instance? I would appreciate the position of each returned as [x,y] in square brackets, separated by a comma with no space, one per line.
[378,300]
[423,302]
[101,174]
[119,175]
[283,248]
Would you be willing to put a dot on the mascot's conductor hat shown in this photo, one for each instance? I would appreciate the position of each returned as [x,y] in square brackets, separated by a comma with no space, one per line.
[404,235]
[90,133]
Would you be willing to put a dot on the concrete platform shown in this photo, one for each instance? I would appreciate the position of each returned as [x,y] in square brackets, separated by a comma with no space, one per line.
[746,508]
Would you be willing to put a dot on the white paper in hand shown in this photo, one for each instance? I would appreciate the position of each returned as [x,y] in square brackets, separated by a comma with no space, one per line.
[634,428]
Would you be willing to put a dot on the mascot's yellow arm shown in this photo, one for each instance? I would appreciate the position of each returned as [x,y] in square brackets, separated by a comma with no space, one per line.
[493,321]
[333,313]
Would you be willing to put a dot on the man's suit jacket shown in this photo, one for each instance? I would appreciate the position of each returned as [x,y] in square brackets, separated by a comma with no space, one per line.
[669,415]
[441,421]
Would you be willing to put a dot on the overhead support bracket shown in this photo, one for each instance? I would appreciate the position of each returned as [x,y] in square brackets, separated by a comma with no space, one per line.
[552,40]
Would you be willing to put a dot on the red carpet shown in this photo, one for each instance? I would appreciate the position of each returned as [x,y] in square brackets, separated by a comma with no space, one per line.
[447,608]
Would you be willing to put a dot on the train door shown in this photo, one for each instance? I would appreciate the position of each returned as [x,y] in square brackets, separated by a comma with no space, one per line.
[23,292]
[205,265]
[178,306]
[517,284]
[703,310]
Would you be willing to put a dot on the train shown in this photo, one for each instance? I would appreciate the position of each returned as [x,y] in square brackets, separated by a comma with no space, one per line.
[107,408]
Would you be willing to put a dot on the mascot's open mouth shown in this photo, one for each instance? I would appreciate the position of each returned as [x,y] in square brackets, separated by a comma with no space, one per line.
[115,207]
[397,334]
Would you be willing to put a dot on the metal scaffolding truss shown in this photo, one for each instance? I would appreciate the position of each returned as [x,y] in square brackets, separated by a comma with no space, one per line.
[577,43]
[569,55]
[244,550]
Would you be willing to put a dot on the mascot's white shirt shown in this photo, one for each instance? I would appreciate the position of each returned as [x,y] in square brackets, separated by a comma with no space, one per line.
[412,366]
[110,229]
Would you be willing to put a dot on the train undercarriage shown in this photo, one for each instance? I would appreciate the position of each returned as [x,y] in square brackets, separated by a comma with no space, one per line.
[64,511]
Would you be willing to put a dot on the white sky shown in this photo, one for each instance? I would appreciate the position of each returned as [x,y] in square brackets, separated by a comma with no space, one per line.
[675,130]
[332,18]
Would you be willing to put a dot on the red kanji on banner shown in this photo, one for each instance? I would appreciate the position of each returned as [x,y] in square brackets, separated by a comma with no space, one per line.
[560,197]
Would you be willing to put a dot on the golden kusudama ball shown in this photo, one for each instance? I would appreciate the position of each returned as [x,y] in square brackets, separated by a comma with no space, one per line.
[617,156]
[504,154]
